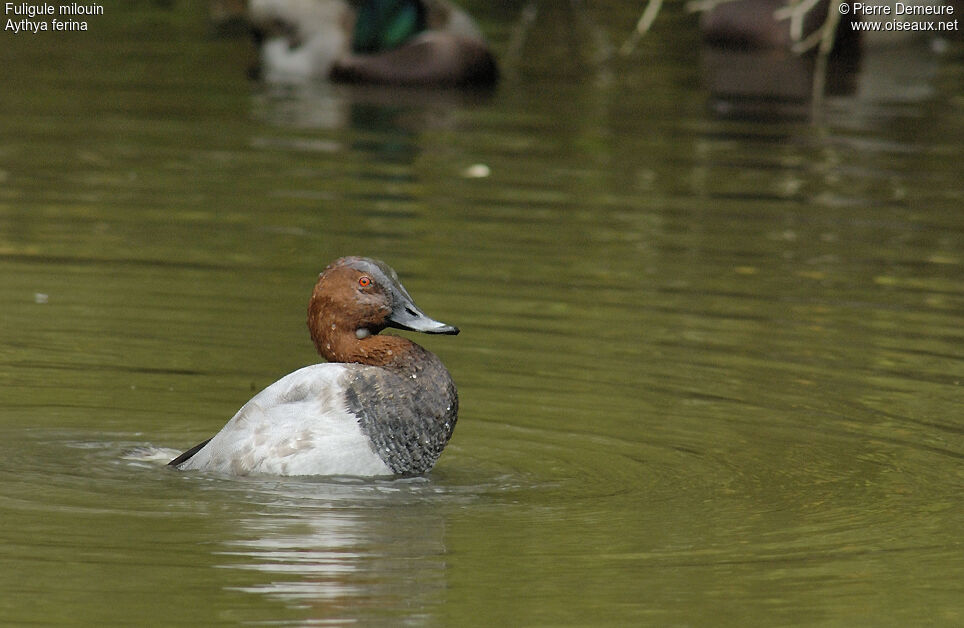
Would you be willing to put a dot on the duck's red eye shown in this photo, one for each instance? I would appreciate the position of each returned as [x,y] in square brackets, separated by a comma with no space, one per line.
[364,281]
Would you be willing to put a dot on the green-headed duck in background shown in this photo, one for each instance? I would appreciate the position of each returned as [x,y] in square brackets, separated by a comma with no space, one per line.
[386,42]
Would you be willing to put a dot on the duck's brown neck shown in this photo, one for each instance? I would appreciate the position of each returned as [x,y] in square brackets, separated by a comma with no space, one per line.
[376,350]
[338,341]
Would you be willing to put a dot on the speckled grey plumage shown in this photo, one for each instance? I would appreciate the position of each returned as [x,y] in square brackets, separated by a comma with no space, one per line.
[408,412]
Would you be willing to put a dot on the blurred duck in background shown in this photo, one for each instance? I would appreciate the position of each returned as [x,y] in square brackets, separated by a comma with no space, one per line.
[383,42]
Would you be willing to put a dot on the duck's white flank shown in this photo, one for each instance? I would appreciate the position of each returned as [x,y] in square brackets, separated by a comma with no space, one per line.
[299,425]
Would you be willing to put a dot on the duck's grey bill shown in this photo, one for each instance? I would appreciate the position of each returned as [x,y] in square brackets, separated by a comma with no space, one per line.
[411,318]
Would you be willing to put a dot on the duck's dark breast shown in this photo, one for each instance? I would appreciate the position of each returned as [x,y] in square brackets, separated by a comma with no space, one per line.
[408,412]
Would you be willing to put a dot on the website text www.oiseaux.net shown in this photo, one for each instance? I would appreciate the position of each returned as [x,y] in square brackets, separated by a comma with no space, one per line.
[900,16]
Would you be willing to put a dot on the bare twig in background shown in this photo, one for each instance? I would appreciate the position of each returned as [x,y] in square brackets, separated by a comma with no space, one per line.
[828,33]
[518,36]
[794,10]
[698,6]
[645,21]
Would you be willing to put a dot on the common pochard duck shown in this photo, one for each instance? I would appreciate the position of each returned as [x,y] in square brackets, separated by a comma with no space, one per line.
[382,405]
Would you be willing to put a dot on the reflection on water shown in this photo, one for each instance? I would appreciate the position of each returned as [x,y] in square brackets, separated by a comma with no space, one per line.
[709,368]
[319,548]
